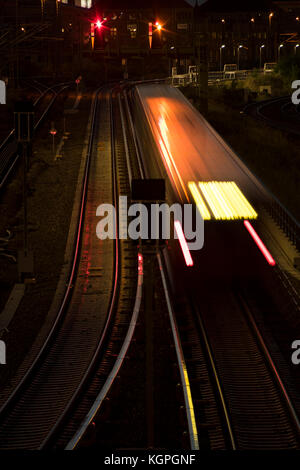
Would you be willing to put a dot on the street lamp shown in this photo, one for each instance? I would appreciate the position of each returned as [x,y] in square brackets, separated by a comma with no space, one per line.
[260,52]
[53,132]
[42,7]
[239,48]
[296,47]
[279,50]
[221,48]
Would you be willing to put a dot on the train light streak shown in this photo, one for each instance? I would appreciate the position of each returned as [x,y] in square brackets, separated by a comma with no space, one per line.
[259,243]
[239,201]
[226,200]
[205,214]
[166,149]
[214,198]
[185,249]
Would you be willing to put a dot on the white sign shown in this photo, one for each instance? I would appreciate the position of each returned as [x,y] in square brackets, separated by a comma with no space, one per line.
[2,92]
[2,352]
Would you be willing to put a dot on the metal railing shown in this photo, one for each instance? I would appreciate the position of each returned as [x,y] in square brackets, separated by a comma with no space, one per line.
[214,77]
[288,224]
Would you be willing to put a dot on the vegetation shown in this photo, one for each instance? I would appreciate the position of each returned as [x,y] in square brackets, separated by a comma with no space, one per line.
[269,153]
[278,85]
[289,69]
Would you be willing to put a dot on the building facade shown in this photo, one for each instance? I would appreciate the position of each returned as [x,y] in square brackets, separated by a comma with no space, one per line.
[59,37]
[248,33]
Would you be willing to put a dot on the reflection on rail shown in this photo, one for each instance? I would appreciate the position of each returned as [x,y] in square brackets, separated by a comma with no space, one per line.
[184,246]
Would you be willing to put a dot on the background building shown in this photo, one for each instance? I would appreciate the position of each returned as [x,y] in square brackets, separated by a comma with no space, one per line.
[54,38]
[251,32]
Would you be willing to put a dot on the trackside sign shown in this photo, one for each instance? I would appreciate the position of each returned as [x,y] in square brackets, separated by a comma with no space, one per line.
[2,92]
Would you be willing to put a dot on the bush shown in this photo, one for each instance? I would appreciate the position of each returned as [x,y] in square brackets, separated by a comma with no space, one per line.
[289,69]
[255,80]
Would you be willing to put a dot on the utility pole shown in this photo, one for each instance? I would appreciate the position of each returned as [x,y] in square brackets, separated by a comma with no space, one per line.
[16,46]
[24,116]
[202,65]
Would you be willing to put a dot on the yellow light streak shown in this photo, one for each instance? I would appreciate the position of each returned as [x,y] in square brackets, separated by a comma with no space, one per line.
[226,200]
[205,214]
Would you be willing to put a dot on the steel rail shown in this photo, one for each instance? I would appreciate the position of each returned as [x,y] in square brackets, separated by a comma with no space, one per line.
[108,319]
[189,406]
[131,329]
[270,362]
[218,383]
[34,366]
[117,366]
[12,132]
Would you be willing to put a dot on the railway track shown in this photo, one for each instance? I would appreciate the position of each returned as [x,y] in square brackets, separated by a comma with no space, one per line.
[96,428]
[228,391]
[125,301]
[260,409]
[241,401]
[276,112]
[96,321]
[9,148]
[209,425]
[59,372]
[241,398]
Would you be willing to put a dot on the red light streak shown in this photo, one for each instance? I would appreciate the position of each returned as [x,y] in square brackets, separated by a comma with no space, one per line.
[140,264]
[185,249]
[259,243]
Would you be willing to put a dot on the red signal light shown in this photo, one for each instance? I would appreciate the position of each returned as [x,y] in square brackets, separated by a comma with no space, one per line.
[99,24]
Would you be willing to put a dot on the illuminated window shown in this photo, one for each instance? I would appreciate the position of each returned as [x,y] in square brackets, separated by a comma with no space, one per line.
[83,3]
[182,26]
[132,28]
[113,32]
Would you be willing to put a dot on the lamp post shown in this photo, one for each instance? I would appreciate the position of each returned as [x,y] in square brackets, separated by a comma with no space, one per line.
[42,8]
[238,51]
[53,132]
[221,48]
[271,37]
[260,53]
[296,47]
[279,50]
[270,18]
